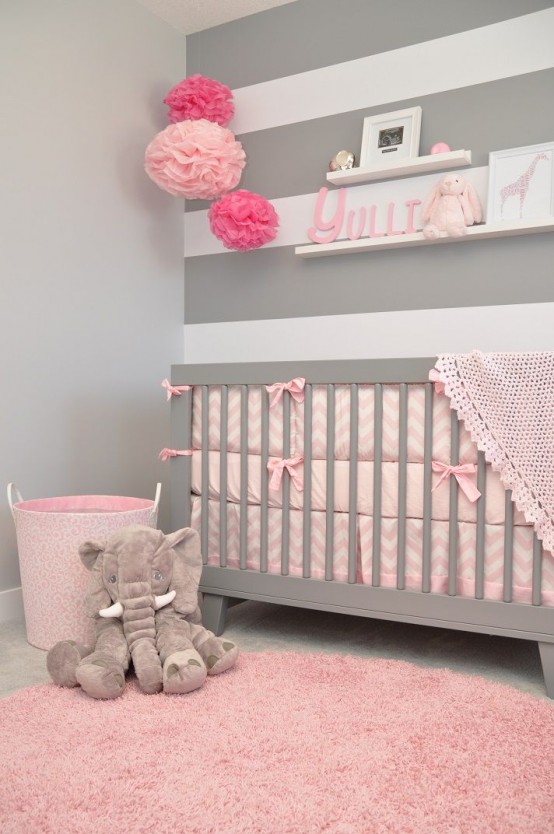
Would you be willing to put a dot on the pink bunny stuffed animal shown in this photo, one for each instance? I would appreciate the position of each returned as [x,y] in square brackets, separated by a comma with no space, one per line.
[451,207]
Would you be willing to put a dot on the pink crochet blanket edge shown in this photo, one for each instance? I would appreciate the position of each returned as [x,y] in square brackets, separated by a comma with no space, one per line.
[459,375]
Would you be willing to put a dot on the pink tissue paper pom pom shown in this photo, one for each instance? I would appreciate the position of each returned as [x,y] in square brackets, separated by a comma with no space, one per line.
[198,97]
[243,220]
[197,160]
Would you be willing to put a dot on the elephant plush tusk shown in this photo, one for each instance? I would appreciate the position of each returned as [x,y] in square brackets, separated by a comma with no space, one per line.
[159,602]
[115,610]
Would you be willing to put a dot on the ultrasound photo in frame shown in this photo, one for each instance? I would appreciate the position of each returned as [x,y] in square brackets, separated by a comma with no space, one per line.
[390,136]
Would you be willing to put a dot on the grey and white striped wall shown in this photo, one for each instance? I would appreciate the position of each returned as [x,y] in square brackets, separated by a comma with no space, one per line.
[304,76]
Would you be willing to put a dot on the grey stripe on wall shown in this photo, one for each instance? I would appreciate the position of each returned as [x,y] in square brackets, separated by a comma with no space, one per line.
[309,34]
[293,159]
[274,283]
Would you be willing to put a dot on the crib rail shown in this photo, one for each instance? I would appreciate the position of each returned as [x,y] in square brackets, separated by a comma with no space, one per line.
[316,372]
[367,597]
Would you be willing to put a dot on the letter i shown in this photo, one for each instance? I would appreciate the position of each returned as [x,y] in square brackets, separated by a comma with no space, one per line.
[411,204]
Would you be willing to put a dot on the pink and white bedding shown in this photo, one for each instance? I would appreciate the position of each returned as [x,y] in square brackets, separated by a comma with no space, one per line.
[441,454]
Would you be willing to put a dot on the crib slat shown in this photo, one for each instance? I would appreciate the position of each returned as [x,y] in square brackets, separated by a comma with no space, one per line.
[402,476]
[264,477]
[285,512]
[453,511]
[427,486]
[205,494]
[353,485]
[330,483]
[243,527]
[186,461]
[307,515]
[377,481]
[508,546]
[480,535]
[537,570]
[223,476]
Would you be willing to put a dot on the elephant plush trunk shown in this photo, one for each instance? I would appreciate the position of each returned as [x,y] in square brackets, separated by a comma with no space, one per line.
[139,627]
[138,614]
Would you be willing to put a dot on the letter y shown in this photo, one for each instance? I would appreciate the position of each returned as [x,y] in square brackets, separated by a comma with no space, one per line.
[321,225]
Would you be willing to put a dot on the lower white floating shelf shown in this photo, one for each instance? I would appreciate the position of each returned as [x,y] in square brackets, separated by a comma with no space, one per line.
[367,244]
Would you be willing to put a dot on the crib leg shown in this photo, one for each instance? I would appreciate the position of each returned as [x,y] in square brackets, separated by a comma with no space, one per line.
[214,609]
[547,659]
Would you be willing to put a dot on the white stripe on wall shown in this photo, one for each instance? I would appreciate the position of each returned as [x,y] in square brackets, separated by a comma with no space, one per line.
[512,327]
[296,214]
[501,50]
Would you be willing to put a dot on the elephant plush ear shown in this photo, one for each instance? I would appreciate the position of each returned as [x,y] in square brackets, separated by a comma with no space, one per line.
[187,569]
[89,553]
[92,557]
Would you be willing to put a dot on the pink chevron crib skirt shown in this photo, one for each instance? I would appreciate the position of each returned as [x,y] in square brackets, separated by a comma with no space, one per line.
[467,528]
[494,550]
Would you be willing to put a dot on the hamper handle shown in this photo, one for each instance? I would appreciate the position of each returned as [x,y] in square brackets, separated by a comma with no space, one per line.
[13,490]
[156,500]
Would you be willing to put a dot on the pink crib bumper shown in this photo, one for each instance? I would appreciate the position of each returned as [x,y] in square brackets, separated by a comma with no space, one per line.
[495,494]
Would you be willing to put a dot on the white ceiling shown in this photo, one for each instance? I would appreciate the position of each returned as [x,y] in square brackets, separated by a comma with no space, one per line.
[194,15]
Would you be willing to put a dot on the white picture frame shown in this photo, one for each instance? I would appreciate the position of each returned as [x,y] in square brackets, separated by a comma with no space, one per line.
[390,136]
[521,183]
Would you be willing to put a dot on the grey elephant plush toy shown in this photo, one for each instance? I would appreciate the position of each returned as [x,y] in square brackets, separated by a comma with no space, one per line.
[143,592]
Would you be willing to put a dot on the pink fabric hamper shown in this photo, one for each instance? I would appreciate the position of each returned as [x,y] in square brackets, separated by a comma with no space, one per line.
[53,579]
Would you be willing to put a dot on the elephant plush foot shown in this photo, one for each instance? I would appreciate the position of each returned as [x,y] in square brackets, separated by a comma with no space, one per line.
[62,661]
[101,676]
[219,655]
[183,672]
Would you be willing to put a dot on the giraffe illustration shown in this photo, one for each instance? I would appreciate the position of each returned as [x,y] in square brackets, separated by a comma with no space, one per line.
[521,185]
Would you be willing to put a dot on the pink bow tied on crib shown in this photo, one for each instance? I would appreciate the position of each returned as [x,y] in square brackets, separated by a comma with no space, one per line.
[277,467]
[295,388]
[165,454]
[435,377]
[174,390]
[462,474]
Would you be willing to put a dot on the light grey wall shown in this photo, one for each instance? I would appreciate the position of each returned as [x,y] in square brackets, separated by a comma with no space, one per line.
[91,258]
[291,159]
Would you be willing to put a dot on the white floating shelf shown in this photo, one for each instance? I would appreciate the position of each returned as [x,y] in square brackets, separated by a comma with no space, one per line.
[367,244]
[402,168]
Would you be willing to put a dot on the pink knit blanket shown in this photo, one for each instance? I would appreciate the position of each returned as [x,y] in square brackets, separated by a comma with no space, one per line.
[506,401]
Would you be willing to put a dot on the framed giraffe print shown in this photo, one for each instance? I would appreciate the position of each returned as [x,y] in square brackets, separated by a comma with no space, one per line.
[521,184]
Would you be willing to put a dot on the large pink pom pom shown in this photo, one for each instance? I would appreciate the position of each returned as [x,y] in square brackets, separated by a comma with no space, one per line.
[243,220]
[198,97]
[198,160]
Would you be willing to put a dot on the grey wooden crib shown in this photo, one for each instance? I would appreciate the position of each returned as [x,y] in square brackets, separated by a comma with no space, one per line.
[200,489]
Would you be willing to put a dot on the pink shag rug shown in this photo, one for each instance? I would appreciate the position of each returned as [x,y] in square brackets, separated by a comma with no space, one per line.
[283,744]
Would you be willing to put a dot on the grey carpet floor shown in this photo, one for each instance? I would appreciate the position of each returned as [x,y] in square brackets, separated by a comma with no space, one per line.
[257,626]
